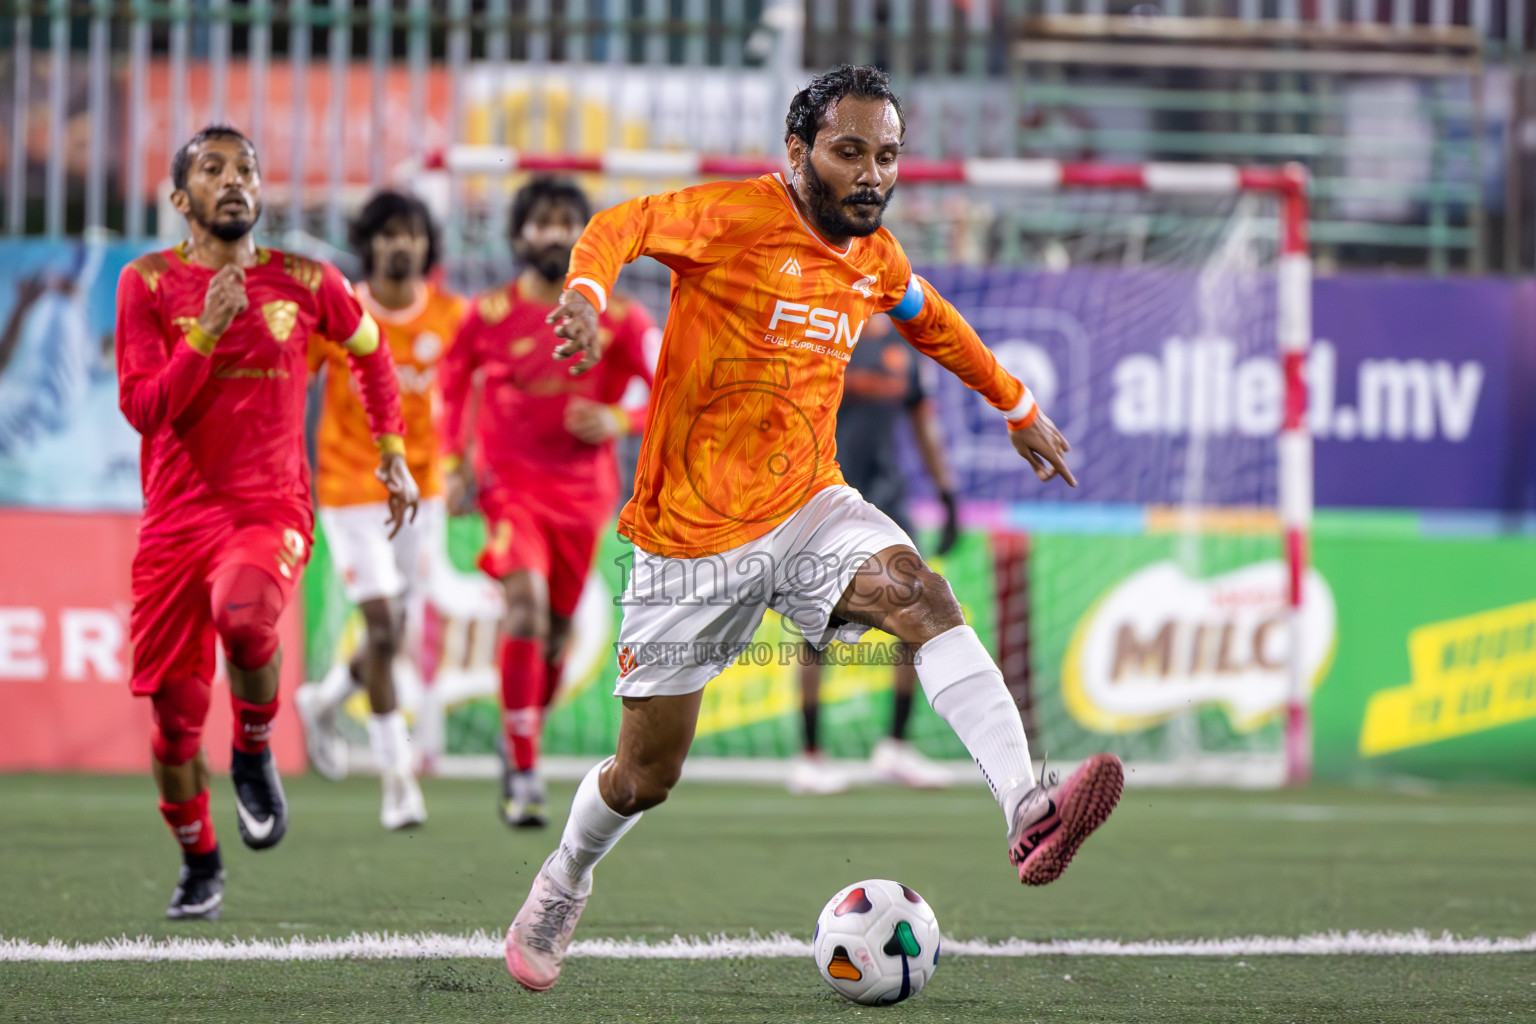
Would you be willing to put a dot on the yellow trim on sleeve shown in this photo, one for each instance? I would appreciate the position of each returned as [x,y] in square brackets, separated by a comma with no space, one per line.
[365,339]
[391,444]
[201,341]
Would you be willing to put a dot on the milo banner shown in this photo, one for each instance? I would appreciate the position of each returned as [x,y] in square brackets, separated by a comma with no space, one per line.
[1167,648]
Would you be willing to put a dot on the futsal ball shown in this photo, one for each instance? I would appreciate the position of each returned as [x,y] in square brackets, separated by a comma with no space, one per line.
[876,942]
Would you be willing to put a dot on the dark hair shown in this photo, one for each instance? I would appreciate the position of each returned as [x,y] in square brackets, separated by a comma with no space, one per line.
[380,210]
[808,110]
[552,190]
[181,163]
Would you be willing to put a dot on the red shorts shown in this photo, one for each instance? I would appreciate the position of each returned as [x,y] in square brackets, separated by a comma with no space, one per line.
[172,621]
[555,542]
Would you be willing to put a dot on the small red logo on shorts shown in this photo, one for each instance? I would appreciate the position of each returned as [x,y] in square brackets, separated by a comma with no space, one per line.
[627,661]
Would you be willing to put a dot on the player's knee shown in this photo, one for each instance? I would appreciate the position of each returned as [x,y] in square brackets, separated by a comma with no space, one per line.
[926,610]
[642,787]
[179,712]
[527,601]
[527,618]
[246,607]
[559,635]
[382,641]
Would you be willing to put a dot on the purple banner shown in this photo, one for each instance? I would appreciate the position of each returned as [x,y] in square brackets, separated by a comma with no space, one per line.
[1167,385]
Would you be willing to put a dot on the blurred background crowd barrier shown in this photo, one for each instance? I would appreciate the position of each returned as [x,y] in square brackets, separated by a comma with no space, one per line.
[1413,116]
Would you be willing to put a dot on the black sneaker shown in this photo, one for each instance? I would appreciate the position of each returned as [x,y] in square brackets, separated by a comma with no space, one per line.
[523,800]
[199,891]
[259,800]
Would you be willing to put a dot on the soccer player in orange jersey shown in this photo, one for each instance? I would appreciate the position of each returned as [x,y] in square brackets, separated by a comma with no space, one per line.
[739,505]
[384,573]
[543,461]
[211,369]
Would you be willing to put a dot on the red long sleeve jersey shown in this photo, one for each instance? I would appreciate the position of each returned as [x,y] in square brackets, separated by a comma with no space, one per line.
[520,432]
[227,426]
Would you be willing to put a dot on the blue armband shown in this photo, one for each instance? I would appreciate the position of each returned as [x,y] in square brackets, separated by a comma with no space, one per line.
[911,303]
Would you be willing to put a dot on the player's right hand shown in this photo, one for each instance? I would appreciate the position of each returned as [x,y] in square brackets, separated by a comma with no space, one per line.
[575,320]
[1042,444]
[226,300]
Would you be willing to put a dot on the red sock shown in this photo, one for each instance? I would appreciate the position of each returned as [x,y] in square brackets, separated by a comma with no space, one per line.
[522,699]
[553,670]
[191,824]
[253,724]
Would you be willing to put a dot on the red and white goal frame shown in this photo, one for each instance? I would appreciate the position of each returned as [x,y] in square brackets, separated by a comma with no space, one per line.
[1288,185]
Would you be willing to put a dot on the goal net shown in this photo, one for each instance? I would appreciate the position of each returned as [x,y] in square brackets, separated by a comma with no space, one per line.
[1163,609]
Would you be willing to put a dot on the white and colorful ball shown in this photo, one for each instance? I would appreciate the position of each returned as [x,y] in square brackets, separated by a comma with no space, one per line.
[876,942]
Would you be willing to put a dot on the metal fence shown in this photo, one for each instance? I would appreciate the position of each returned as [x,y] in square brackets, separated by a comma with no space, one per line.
[1404,109]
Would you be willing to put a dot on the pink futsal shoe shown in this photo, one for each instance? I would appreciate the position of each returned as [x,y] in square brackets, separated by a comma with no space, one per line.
[541,932]
[1054,818]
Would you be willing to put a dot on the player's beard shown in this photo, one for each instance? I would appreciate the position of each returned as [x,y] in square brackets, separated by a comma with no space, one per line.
[224,231]
[550,262]
[400,266]
[831,214]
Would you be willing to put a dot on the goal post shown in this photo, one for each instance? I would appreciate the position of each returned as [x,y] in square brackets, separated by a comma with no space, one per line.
[1202,251]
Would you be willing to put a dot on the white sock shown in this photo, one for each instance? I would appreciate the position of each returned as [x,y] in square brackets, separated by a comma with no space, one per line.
[590,832]
[966,689]
[337,686]
[390,741]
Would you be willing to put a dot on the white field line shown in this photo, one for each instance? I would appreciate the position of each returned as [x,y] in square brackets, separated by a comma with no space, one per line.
[481,946]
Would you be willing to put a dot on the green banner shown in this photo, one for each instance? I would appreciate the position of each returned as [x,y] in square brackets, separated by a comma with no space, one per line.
[1435,673]
[1163,648]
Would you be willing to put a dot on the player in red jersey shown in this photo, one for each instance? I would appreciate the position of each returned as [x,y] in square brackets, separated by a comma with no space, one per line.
[211,362]
[544,459]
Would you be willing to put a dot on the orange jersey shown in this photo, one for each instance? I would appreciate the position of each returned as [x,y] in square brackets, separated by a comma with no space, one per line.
[418,337]
[763,320]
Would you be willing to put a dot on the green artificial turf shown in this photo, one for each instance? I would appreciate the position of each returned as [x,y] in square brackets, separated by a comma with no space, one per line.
[87,858]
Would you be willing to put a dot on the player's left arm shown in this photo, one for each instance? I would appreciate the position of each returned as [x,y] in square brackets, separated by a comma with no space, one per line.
[634,349]
[930,444]
[344,321]
[935,328]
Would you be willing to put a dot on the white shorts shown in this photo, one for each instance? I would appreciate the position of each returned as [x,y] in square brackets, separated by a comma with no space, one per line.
[687,619]
[369,563]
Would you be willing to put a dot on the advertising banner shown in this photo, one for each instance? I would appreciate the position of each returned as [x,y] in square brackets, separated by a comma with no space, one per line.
[63,442]
[65,658]
[1166,648]
[1169,396]
[1435,671]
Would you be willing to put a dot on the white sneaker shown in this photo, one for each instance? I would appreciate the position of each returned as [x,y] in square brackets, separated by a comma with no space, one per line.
[900,762]
[325,746]
[404,806]
[812,776]
[542,930]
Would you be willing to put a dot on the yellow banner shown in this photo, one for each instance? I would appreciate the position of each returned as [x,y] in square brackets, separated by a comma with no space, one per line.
[1469,674]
